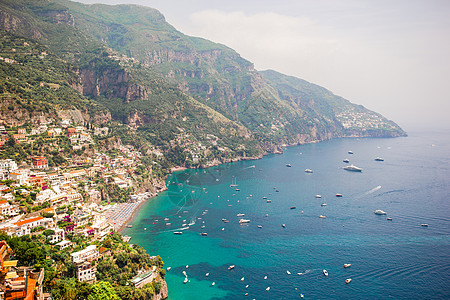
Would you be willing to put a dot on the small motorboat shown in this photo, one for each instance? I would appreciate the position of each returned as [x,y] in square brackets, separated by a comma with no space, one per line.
[204,233]
[240,215]
[242,279]
[338,195]
[241,221]
[350,152]
[268,288]
[325,272]
[389,219]
[379,159]
[289,273]
[288,165]
[318,196]
[353,168]
[178,232]
[207,274]
[323,204]
[379,212]
[265,277]
[283,225]
[424,225]
[185,280]
[231,267]
[259,226]
[308,171]
[347,265]
[187,266]
[346,160]
[269,201]
[348,280]
[292,207]
[214,283]
[322,216]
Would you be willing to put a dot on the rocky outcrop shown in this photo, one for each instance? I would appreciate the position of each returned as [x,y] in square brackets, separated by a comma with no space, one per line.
[164,293]
[112,83]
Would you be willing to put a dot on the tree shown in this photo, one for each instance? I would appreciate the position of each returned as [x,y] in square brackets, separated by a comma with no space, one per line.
[103,291]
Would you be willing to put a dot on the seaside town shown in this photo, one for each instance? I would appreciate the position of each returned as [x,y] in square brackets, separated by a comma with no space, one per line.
[67,207]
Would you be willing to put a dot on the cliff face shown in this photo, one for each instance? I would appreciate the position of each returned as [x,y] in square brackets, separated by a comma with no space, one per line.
[164,293]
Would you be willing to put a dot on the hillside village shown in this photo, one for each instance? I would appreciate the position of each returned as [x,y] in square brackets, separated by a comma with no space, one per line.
[74,208]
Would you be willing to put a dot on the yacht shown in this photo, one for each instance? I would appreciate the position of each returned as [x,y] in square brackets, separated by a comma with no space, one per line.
[325,272]
[318,196]
[308,171]
[244,221]
[379,159]
[379,212]
[240,215]
[352,168]
[346,160]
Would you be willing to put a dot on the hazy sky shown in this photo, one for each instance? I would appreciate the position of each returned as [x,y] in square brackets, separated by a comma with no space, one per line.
[392,56]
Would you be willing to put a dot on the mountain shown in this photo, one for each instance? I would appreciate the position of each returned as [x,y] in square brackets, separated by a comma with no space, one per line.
[172,90]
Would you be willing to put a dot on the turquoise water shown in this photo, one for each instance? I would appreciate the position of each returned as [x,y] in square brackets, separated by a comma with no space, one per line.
[397,259]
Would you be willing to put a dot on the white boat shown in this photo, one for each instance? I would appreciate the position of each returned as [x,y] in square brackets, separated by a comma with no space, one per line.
[308,171]
[207,274]
[178,232]
[338,195]
[185,280]
[259,226]
[350,152]
[289,273]
[353,168]
[347,265]
[268,288]
[318,196]
[322,216]
[424,225]
[184,273]
[288,165]
[242,279]
[168,268]
[348,280]
[325,272]
[323,204]
[283,225]
[233,182]
[346,160]
[244,221]
[214,283]
[231,267]
[379,212]
[265,277]
[204,233]
[379,159]
[240,215]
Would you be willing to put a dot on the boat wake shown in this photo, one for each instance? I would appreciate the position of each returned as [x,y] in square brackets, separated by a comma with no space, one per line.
[372,190]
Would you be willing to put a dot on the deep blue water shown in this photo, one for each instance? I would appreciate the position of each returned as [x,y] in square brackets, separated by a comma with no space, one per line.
[397,259]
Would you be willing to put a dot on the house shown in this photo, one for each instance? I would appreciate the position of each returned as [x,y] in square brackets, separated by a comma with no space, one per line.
[19,138]
[71,132]
[22,131]
[86,272]
[58,236]
[19,177]
[39,162]
[7,209]
[24,227]
[8,164]
[144,278]
[87,254]
[25,285]
[36,181]
[64,244]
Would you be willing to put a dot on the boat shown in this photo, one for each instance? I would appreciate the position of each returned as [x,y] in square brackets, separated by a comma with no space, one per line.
[233,183]
[178,232]
[204,233]
[348,280]
[288,165]
[308,171]
[379,159]
[322,216]
[347,265]
[259,226]
[265,277]
[318,196]
[352,168]
[269,201]
[379,212]
[289,273]
[129,226]
[187,266]
[145,228]
[214,283]
[231,267]
[264,197]
[185,280]
[325,272]
[302,296]
[244,221]
[240,215]
[424,225]
[292,207]
[346,160]
[283,225]
[168,268]
[268,288]
[237,190]
[184,273]
[338,195]
[168,224]
[242,279]
[323,204]
[389,219]
[350,152]
[207,274]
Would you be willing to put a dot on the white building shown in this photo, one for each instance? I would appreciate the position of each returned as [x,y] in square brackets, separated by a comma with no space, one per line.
[24,227]
[86,272]
[58,236]
[8,165]
[89,253]
[7,209]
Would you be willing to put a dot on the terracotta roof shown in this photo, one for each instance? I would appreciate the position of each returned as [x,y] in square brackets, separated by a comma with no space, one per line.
[28,221]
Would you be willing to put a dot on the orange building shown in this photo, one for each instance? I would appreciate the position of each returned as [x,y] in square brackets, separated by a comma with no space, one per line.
[39,162]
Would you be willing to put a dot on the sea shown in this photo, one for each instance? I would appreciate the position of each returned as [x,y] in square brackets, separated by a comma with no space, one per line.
[282,252]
